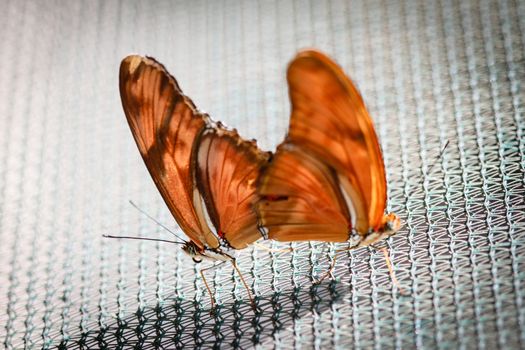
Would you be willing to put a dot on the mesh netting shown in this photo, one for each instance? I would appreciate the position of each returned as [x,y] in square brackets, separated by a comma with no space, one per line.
[430,72]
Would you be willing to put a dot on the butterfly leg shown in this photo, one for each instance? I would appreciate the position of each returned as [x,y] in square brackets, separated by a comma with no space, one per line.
[271,250]
[332,265]
[245,284]
[391,270]
[329,272]
[212,295]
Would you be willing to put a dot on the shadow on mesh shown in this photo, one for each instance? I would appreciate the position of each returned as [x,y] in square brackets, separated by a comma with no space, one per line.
[184,324]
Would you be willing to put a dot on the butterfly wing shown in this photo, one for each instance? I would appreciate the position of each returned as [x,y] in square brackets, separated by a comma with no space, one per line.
[228,168]
[301,200]
[166,127]
[329,119]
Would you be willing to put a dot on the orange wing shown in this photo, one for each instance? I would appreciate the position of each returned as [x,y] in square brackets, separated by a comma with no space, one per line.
[301,199]
[339,161]
[227,172]
[330,120]
[166,127]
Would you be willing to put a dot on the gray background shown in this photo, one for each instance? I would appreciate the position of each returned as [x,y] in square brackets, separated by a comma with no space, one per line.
[429,71]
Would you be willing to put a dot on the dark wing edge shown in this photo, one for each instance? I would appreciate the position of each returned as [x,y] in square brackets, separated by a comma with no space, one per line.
[228,170]
[157,110]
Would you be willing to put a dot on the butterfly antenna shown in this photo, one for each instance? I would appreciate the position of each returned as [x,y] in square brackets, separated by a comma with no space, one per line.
[438,157]
[155,221]
[431,167]
[143,239]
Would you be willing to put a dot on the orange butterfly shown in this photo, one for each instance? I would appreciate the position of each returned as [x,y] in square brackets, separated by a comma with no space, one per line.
[206,174]
[326,181]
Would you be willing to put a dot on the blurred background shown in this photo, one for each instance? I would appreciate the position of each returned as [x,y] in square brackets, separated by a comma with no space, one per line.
[430,72]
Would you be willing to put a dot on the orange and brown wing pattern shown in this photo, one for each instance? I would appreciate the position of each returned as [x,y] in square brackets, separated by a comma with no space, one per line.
[227,173]
[329,119]
[166,127]
[301,199]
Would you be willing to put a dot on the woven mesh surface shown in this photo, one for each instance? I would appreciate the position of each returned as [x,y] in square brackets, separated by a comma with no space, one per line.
[430,71]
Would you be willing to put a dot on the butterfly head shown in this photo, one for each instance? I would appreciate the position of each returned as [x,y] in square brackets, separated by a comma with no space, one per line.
[390,225]
[193,250]
[199,254]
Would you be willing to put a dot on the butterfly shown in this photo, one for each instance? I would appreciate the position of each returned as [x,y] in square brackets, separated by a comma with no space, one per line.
[326,181]
[206,173]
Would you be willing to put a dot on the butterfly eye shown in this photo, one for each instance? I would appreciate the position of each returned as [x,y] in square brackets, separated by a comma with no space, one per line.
[392,223]
[188,249]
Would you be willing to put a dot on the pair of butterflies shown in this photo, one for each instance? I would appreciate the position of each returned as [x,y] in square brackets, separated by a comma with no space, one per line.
[325,182]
